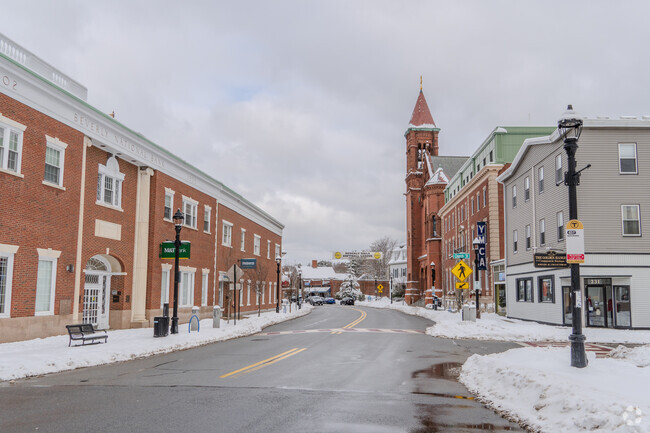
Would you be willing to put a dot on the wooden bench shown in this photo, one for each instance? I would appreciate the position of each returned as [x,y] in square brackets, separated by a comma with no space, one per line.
[85,332]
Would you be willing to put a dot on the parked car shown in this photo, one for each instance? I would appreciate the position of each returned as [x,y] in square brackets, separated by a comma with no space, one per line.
[329,301]
[347,301]
[316,300]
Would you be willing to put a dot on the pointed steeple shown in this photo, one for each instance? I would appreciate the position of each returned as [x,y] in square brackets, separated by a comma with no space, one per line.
[421,117]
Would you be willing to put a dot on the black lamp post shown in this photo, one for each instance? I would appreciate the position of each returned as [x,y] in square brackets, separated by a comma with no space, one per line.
[570,126]
[476,243]
[278,260]
[178,224]
[433,286]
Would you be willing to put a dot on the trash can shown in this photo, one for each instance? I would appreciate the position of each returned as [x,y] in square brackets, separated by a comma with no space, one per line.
[160,326]
[194,324]
[216,316]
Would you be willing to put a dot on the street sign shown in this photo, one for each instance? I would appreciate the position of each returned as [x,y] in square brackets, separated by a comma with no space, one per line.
[575,242]
[168,250]
[461,256]
[462,285]
[480,234]
[234,270]
[248,263]
[376,255]
[380,287]
[461,270]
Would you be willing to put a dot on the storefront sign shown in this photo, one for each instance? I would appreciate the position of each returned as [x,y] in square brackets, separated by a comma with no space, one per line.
[168,250]
[550,260]
[248,263]
[376,255]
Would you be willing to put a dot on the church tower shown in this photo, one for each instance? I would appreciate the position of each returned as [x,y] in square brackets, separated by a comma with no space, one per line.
[424,197]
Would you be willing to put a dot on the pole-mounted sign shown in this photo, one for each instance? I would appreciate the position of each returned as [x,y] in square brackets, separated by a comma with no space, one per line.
[575,242]
[480,234]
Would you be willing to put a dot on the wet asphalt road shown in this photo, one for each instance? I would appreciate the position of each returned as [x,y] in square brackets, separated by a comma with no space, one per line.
[382,374]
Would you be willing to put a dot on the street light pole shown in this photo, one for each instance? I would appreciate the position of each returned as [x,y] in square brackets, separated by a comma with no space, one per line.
[278,260]
[178,223]
[477,292]
[300,292]
[569,126]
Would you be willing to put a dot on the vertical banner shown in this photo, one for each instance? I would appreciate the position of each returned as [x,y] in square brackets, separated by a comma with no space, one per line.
[481,234]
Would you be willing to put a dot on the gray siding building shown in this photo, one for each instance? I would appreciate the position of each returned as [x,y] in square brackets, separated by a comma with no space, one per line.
[613,205]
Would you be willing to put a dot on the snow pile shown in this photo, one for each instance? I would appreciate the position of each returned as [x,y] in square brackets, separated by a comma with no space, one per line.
[538,387]
[52,354]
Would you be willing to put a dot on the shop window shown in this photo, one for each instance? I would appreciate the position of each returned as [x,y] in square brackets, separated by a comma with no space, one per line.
[627,158]
[525,290]
[631,220]
[164,284]
[6,277]
[186,288]
[204,287]
[46,282]
[546,289]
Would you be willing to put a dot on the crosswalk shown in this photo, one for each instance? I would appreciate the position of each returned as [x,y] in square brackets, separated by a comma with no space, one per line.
[347,331]
[600,350]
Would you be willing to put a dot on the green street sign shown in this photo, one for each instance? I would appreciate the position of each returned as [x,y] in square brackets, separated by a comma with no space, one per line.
[461,255]
[168,250]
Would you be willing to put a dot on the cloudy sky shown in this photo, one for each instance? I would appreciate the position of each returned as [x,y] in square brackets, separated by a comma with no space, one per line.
[301,106]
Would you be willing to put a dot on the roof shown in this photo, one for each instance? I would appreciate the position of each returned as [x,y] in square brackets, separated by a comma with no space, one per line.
[449,164]
[321,273]
[421,117]
[438,178]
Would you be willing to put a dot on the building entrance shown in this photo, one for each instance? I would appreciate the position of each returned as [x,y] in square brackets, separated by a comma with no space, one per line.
[599,308]
[96,292]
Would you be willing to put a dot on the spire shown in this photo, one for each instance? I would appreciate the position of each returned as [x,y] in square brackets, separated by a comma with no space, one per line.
[421,116]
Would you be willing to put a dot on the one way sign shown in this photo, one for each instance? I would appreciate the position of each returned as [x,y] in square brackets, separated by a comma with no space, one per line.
[480,233]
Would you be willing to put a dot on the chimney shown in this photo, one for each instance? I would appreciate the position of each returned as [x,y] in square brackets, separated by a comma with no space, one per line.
[314,264]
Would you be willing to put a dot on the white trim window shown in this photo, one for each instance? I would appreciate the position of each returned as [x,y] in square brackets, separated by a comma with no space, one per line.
[514,196]
[6,277]
[560,226]
[528,237]
[627,158]
[46,282]
[186,288]
[631,220]
[514,241]
[190,207]
[527,188]
[226,234]
[109,184]
[478,202]
[540,176]
[54,161]
[542,231]
[242,244]
[559,176]
[256,245]
[268,249]
[263,291]
[207,213]
[169,205]
[164,284]
[204,286]
[249,292]
[11,144]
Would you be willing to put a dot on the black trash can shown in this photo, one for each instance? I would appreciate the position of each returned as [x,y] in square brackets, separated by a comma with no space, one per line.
[160,326]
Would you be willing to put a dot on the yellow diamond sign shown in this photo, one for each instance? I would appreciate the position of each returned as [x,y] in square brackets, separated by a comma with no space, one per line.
[461,270]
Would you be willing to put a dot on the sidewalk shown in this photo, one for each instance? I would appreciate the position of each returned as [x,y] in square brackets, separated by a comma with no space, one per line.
[537,387]
[52,354]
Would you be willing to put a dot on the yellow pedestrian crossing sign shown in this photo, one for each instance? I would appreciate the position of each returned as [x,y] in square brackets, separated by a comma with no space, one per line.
[380,288]
[461,270]
[462,285]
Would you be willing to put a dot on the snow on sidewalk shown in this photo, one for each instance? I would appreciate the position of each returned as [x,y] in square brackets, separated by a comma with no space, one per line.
[52,354]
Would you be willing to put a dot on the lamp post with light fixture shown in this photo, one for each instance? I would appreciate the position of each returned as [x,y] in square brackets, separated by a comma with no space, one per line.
[178,219]
[476,243]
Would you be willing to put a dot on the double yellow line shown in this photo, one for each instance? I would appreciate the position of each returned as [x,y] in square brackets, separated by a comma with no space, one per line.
[264,363]
[355,323]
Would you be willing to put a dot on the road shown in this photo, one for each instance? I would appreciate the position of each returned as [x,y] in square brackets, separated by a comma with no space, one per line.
[338,369]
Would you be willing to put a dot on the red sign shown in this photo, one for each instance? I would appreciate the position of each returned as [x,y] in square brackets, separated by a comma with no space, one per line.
[575,258]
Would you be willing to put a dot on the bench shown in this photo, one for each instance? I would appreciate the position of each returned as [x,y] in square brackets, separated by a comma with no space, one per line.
[85,332]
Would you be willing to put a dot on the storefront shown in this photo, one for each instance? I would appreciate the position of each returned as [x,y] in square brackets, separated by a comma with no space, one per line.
[499,273]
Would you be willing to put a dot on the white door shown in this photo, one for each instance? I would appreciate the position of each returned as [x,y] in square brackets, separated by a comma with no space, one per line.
[96,297]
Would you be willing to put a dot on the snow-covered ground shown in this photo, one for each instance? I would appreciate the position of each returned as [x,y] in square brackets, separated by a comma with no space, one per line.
[538,387]
[52,354]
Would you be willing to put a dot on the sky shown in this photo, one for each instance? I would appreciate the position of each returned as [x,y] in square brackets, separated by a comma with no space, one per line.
[301,106]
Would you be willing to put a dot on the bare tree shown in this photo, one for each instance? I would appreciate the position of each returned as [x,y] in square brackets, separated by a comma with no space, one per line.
[258,276]
[378,268]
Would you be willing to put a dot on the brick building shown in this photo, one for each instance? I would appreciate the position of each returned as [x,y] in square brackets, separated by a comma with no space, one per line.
[86,204]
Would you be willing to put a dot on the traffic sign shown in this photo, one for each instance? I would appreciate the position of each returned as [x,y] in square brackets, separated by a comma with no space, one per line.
[575,242]
[461,270]
[380,287]
[234,273]
[461,256]
[462,285]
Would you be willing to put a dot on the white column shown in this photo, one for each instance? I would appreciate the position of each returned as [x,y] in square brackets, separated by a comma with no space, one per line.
[140,246]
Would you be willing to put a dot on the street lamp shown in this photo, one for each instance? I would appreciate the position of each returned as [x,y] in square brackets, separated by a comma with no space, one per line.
[178,224]
[299,296]
[433,286]
[476,243]
[570,126]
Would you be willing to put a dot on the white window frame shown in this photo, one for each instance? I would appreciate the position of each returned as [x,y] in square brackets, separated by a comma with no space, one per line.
[249,293]
[58,146]
[207,215]
[540,175]
[205,274]
[623,220]
[226,233]
[192,214]
[7,252]
[529,240]
[50,256]
[542,232]
[169,193]
[8,126]
[514,196]
[515,239]
[242,242]
[558,170]
[263,291]
[526,188]
[110,171]
[257,241]
[559,218]
[186,274]
[268,249]
[478,202]
[620,158]
[165,275]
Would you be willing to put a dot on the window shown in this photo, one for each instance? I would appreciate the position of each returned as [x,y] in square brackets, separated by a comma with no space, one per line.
[631,220]
[484,197]
[514,196]
[558,170]
[514,241]
[525,290]
[542,232]
[11,144]
[109,183]
[204,287]
[207,212]
[527,188]
[54,157]
[268,249]
[243,240]
[226,238]
[560,226]
[6,276]
[540,175]
[256,245]
[491,158]
[472,205]
[627,158]
[164,285]
[478,202]
[46,281]
[190,208]
[545,287]
[169,204]
[528,237]
[186,288]
[277,250]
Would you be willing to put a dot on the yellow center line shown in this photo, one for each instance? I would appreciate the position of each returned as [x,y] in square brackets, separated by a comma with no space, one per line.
[268,360]
[271,362]
[354,323]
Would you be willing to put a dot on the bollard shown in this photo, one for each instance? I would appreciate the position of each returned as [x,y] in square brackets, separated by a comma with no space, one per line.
[195,312]
[216,317]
